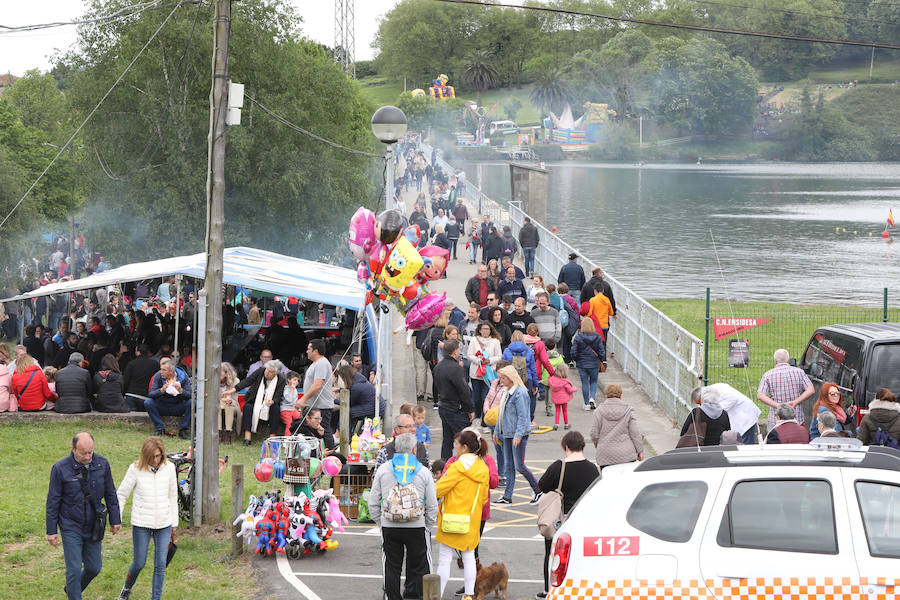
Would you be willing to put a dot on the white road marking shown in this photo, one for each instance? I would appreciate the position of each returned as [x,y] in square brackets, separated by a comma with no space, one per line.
[372,531]
[486,529]
[284,568]
[369,576]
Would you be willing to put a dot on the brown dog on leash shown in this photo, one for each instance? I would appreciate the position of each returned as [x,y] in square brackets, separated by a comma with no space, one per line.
[493,578]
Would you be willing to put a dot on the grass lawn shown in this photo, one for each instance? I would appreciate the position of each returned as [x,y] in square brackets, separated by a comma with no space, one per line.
[791,327]
[380,91]
[201,569]
[883,70]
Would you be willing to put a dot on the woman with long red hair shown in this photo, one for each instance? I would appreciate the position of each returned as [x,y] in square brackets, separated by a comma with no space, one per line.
[831,399]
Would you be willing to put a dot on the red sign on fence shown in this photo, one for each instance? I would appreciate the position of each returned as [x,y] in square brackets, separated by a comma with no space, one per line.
[728,327]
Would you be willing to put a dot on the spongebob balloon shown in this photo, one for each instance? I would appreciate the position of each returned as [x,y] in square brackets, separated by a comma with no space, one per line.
[402,265]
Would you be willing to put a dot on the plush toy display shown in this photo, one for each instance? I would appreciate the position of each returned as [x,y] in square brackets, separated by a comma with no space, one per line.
[294,525]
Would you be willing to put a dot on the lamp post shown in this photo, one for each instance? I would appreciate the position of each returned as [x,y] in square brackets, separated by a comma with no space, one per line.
[388,125]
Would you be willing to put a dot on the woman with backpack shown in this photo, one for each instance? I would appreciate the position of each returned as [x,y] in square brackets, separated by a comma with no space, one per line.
[881,427]
[522,358]
[589,352]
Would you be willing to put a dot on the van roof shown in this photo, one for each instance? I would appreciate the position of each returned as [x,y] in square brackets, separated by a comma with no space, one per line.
[823,455]
[870,331]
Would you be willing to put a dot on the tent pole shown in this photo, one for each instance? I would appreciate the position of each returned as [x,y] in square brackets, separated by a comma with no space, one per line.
[177,348]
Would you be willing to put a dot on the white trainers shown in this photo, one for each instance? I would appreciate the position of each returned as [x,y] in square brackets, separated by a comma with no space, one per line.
[586,406]
[593,404]
[536,498]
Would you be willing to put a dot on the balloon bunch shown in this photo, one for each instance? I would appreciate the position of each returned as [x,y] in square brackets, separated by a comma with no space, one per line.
[393,269]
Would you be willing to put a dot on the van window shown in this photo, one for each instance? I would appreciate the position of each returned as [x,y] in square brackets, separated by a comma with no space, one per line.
[786,514]
[884,371]
[832,357]
[668,511]
[879,504]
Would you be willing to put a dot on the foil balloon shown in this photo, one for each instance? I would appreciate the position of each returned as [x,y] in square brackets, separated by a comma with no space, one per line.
[414,234]
[388,226]
[434,263]
[401,267]
[362,233]
[425,311]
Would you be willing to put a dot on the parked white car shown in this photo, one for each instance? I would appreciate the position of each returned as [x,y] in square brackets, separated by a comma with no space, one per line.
[747,522]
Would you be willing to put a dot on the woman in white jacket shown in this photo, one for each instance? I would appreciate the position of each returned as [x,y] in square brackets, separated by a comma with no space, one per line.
[154,512]
[483,351]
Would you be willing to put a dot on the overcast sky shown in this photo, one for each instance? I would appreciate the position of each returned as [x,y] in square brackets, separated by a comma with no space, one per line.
[20,52]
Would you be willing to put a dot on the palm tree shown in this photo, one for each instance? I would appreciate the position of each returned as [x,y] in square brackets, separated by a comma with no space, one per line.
[480,72]
[549,90]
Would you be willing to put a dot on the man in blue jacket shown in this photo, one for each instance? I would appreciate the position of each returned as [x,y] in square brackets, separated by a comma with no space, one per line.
[78,485]
[170,394]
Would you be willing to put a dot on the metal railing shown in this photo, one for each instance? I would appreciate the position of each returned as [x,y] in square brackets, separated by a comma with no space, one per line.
[658,354]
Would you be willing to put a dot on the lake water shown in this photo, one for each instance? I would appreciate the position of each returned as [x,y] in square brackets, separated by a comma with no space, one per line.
[748,231]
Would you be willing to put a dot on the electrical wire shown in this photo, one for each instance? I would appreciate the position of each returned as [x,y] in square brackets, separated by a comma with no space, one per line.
[122,13]
[706,28]
[305,132]
[797,12]
[89,116]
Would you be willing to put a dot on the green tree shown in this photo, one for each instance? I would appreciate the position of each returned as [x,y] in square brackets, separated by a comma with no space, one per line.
[148,142]
[479,72]
[702,89]
[550,91]
[423,112]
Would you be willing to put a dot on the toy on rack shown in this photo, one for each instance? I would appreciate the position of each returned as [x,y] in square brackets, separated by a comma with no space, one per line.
[265,529]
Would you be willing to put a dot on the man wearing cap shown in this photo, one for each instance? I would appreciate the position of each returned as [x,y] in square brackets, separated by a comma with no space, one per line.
[74,387]
[571,273]
[529,238]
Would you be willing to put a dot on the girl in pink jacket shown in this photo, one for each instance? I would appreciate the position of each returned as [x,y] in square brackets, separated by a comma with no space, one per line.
[561,391]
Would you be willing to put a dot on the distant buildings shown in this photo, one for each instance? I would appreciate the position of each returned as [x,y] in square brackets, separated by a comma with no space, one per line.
[6,81]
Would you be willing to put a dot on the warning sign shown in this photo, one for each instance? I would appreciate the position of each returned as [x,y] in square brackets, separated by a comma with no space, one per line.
[727,327]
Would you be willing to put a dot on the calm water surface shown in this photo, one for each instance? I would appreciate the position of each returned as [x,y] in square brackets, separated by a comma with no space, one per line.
[658,228]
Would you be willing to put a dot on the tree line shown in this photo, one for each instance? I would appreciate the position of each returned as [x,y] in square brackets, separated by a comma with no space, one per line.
[136,173]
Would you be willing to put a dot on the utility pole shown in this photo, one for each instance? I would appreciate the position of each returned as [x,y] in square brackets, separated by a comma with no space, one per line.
[208,442]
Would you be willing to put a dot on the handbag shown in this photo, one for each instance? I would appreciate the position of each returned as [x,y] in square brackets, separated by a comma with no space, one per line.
[170,553]
[550,508]
[695,439]
[459,523]
[492,416]
[602,362]
[98,526]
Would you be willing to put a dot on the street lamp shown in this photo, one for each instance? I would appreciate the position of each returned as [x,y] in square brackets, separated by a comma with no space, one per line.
[388,125]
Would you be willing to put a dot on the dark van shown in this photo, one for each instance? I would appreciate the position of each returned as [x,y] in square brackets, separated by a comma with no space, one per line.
[859,357]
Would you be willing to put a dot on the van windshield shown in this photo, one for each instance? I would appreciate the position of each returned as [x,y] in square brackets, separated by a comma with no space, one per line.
[885,369]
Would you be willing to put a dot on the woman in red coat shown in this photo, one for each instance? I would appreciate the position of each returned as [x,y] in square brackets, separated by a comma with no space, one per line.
[30,386]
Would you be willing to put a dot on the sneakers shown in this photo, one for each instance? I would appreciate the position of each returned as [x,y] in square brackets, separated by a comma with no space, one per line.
[184,434]
[593,404]
[436,405]
[540,596]
[566,426]
[160,433]
[124,594]
[420,398]
[555,427]
[501,501]
[536,498]
[586,406]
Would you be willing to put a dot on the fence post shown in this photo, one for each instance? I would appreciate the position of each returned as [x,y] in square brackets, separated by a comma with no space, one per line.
[237,508]
[431,587]
[706,343]
[344,420]
[885,317]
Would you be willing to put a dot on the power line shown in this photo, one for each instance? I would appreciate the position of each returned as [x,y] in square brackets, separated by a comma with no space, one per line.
[91,114]
[747,32]
[122,13]
[299,129]
[797,12]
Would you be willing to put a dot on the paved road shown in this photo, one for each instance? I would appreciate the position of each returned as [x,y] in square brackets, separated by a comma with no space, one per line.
[353,570]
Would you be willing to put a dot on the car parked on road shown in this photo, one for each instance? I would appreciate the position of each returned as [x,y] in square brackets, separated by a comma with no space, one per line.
[725,522]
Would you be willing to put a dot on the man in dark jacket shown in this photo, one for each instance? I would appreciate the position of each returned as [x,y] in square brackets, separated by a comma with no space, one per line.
[529,238]
[33,343]
[137,376]
[480,286]
[70,345]
[519,319]
[596,282]
[170,394]
[511,286]
[455,408]
[74,387]
[572,274]
[78,485]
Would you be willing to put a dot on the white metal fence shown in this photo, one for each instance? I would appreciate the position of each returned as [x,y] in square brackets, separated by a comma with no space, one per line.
[661,356]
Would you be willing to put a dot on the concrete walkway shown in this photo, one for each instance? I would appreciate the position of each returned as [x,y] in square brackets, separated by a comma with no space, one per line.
[658,430]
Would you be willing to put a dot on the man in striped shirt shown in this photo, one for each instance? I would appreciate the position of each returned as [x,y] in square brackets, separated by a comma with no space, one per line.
[784,384]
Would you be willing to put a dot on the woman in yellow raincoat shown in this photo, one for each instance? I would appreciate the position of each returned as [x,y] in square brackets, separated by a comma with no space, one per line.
[464,489]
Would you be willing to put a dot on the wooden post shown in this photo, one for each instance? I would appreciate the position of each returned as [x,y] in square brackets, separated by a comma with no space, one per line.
[345,421]
[431,587]
[215,233]
[237,508]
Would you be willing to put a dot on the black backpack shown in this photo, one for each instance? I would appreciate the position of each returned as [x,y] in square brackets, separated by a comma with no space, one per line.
[425,345]
[883,438]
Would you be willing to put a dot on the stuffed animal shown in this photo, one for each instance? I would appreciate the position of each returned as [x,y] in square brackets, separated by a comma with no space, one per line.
[265,529]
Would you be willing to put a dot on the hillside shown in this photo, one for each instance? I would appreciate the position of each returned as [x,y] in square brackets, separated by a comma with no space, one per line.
[876,109]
